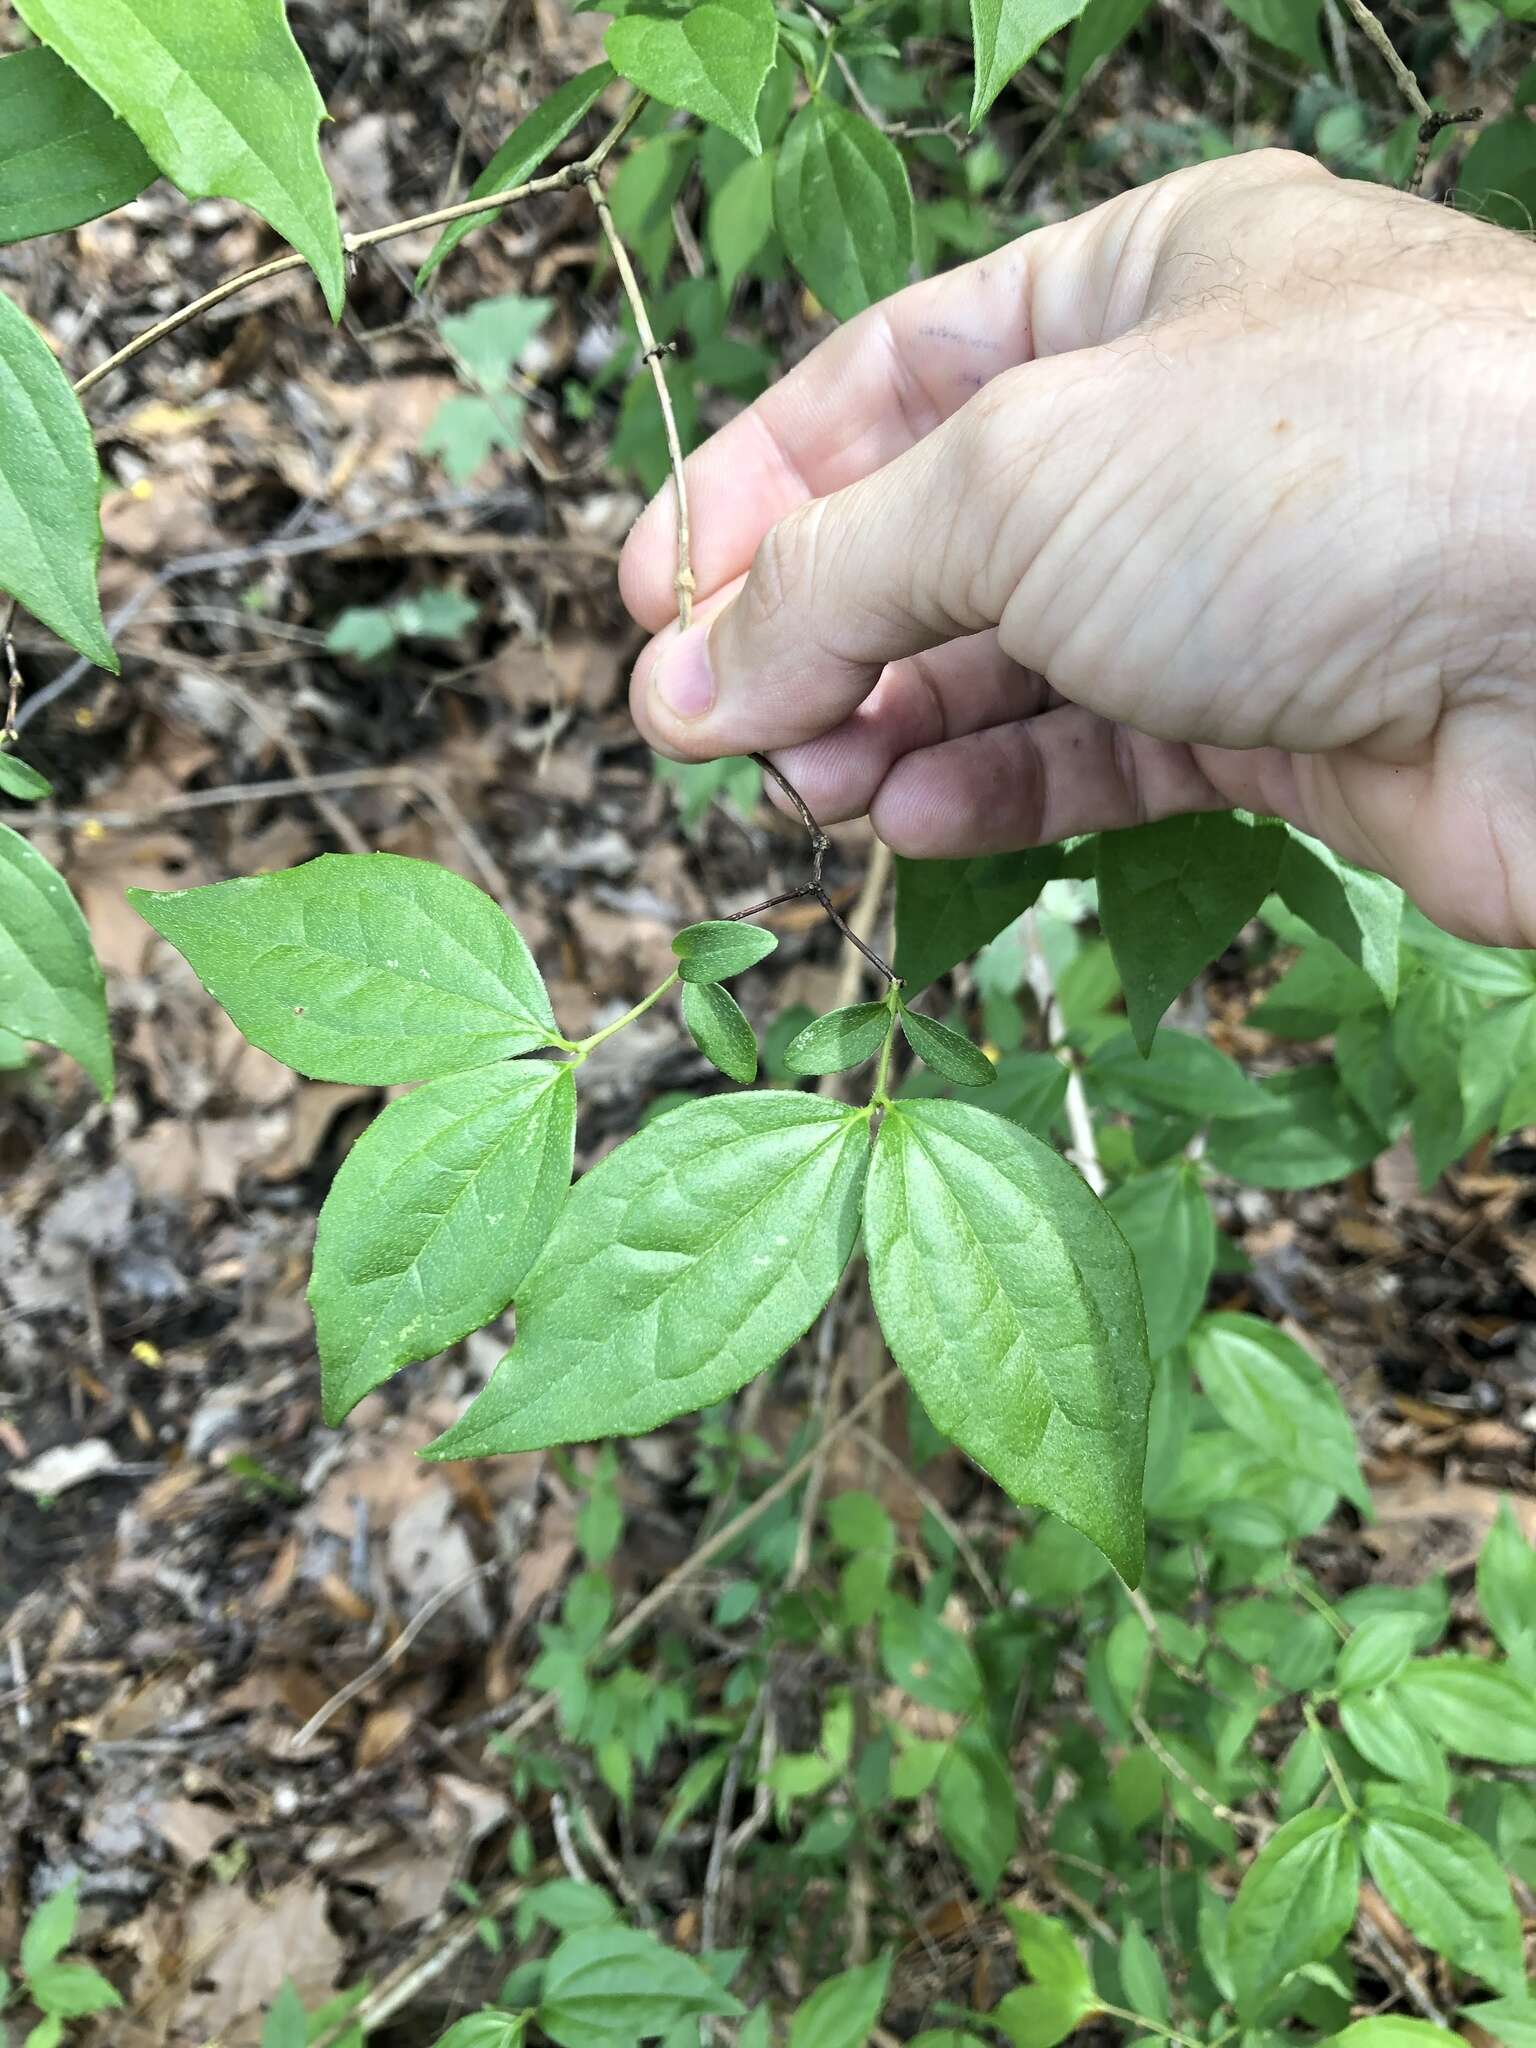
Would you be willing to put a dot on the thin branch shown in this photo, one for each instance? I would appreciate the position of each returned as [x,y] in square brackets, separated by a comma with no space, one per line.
[443,216]
[653,355]
[1085,1147]
[1430,122]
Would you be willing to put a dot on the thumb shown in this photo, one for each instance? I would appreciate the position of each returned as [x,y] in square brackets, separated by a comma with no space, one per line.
[924,551]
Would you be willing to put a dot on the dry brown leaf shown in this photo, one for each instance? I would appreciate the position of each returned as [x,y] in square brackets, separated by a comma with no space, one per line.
[245,1948]
[190,1829]
[1425,1524]
[382,1733]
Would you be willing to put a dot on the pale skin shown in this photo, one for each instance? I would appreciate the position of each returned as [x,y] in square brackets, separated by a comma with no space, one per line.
[1223,493]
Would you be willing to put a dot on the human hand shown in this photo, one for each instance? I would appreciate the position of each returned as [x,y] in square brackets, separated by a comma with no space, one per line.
[1223,493]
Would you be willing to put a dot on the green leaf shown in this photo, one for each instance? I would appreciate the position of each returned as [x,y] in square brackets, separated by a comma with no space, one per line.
[1388,1738]
[1393,2030]
[1476,1708]
[222,100]
[945,909]
[1006,34]
[1291,25]
[71,1990]
[843,207]
[1101,28]
[436,1214]
[711,56]
[1031,1088]
[485,2030]
[1367,1064]
[1376,1651]
[1497,1069]
[1166,1219]
[1506,1588]
[842,2012]
[1482,970]
[50,486]
[20,780]
[1009,1299]
[1181,1073]
[1173,896]
[610,1986]
[1276,1396]
[524,150]
[975,1804]
[51,985]
[840,1040]
[1142,1976]
[1295,1905]
[1312,1132]
[489,341]
[1062,1994]
[741,219]
[51,1928]
[927,1658]
[1429,1025]
[1510,2020]
[1446,1887]
[48,2033]
[946,1051]
[720,1030]
[64,156]
[1361,913]
[1498,174]
[361,967]
[287,2023]
[719,948]
[684,1263]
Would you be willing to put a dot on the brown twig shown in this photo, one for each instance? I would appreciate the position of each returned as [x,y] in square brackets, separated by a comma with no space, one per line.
[1430,121]
[9,729]
[443,216]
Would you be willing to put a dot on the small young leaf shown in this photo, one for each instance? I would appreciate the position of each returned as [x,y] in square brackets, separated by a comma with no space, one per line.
[946,1051]
[946,909]
[838,1041]
[843,206]
[1361,913]
[436,1214]
[1173,896]
[1396,2030]
[1506,1589]
[287,2023]
[1142,1976]
[1275,1394]
[842,2012]
[51,1929]
[684,1263]
[1311,1132]
[1166,1219]
[719,948]
[51,985]
[362,967]
[1181,1073]
[50,486]
[720,1030]
[222,100]
[610,1986]
[1476,1708]
[1376,1651]
[22,781]
[927,1658]
[1388,1738]
[1296,1903]
[1009,1300]
[65,158]
[710,56]
[69,1991]
[523,151]
[1445,1885]
[977,1811]
[1006,34]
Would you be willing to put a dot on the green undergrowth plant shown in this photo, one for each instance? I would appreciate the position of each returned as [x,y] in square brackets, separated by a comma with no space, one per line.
[1025,1158]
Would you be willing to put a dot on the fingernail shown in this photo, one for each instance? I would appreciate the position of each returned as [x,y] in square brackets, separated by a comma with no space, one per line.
[684,680]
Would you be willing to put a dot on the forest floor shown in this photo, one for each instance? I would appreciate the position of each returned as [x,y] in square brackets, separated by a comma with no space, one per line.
[193,1569]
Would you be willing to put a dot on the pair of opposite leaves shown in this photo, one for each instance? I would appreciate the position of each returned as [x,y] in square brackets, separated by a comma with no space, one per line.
[698,1251]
